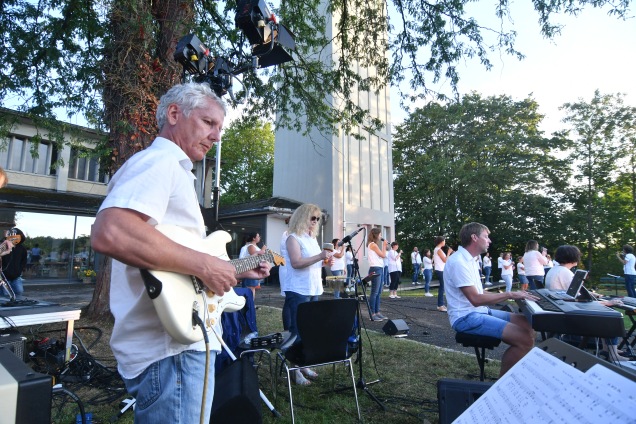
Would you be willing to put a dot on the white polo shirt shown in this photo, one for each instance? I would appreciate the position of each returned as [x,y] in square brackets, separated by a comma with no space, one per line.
[158,182]
[461,270]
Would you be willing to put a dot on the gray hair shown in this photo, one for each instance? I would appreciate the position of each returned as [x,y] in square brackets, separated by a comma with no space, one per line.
[188,97]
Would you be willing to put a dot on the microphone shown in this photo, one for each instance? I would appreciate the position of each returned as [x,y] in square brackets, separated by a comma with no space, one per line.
[349,237]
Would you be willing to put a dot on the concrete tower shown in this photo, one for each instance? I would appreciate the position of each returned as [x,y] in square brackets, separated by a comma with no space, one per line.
[351,178]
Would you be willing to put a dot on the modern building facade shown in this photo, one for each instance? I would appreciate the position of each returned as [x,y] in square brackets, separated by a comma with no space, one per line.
[350,177]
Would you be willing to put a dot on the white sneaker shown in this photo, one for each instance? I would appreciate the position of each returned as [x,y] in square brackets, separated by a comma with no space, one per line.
[427,294]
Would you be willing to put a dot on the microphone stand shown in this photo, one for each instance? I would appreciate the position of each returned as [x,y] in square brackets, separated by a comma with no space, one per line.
[361,384]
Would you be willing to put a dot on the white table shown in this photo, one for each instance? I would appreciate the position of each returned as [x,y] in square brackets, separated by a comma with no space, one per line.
[34,315]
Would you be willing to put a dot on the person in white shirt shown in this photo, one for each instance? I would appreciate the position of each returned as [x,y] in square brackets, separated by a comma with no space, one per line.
[394,256]
[416,261]
[338,267]
[521,273]
[349,263]
[467,303]
[507,267]
[439,259]
[487,267]
[629,261]
[534,263]
[427,264]
[156,186]
[500,264]
[560,276]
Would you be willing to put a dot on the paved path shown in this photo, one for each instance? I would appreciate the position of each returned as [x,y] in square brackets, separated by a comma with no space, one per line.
[426,323]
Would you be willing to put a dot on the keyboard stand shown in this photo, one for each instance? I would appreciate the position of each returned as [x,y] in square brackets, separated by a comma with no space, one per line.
[625,343]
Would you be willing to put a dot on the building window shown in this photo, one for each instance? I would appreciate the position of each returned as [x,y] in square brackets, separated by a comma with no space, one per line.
[85,168]
[20,154]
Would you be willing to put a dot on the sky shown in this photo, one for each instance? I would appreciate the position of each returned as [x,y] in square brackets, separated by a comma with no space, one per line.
[594,51]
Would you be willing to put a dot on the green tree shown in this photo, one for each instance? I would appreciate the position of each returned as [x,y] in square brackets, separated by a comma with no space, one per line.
[602,133]
[248,162]
[478,159]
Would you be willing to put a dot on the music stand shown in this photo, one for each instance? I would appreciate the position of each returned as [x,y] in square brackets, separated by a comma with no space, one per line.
[361,384]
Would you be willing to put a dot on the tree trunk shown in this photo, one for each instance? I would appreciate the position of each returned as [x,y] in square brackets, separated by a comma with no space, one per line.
[100,303]
[138,69]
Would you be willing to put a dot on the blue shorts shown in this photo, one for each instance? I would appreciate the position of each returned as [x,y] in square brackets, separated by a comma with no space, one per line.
[491,324]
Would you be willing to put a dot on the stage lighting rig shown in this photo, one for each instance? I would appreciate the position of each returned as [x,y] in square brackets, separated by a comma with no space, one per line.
[267,37]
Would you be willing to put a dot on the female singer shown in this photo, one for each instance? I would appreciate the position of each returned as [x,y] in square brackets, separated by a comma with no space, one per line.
[439,259]
[376,255]
[534,263]
[303,282]
[394,257]
[338,267]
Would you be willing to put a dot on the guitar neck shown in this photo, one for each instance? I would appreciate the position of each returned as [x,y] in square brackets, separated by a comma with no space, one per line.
[251,262]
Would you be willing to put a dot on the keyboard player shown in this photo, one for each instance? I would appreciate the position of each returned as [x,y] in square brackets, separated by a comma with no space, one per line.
[560,276]
[467,303]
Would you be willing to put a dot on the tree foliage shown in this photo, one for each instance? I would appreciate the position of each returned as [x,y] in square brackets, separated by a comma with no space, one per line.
[478,159]
[603,133]
[247,155]
[65,58]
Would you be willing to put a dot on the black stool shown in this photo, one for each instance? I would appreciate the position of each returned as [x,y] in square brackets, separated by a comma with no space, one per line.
[478,342]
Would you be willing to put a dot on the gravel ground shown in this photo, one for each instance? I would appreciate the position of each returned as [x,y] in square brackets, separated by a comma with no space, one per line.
[426,323]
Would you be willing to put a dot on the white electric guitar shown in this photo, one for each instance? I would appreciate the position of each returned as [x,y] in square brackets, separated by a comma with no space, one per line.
[176,297]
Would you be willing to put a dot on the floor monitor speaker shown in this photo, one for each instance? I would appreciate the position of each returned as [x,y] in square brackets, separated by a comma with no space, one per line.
[236,394]
[395,327]
[455,396]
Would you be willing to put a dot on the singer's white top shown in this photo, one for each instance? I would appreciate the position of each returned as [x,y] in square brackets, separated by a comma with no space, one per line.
[416,258]
[394,258]
[305,281]
[439,263]
[338,264]
[628,268]
[534,262]
[374,258]
[428,263]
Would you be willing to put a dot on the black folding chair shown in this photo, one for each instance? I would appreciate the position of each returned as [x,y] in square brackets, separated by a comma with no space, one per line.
[324,328]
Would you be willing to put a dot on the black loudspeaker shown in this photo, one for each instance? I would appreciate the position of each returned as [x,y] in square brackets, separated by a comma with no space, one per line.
[236,395]
[395,327]
[455,396]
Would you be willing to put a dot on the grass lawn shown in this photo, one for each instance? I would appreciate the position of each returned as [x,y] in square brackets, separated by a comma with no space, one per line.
[407,371]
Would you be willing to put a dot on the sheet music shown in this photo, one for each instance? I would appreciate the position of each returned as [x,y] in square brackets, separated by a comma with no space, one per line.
[543,389]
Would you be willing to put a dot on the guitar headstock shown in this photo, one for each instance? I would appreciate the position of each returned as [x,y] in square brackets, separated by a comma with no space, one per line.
[14,238]
[274,258]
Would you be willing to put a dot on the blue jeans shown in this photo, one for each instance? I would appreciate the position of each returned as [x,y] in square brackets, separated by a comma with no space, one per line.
[533,280]
[440,293]
[16,285]
[630,281]
[376,289]
[349,273]
[487,271]
[294,299]
[337,285]
[508,279]
[386,279]
[428,276]
[170,390]
[416,272]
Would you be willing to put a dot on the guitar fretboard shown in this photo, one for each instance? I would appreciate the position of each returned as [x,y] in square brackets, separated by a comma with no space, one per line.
[251,262]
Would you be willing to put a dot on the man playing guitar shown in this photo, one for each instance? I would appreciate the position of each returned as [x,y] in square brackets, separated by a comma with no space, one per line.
[155,186]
